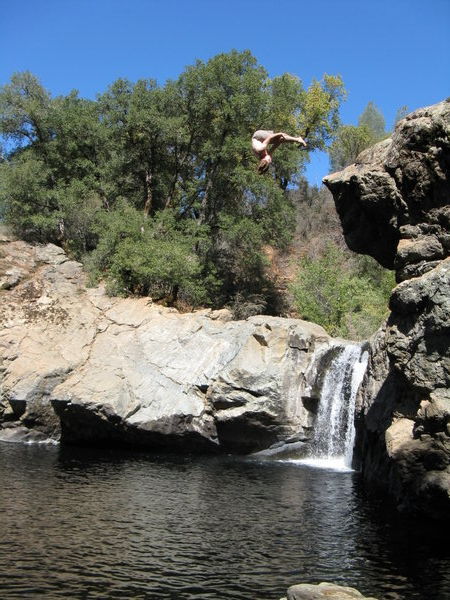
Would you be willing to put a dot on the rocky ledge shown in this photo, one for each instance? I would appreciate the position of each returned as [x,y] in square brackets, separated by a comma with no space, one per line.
[394,204]
[92,369]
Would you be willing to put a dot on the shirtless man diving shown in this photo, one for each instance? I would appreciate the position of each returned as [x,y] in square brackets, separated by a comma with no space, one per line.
[262,139]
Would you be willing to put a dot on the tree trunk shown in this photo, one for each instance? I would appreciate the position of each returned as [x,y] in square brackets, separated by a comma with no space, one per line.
[148,206]
[205,208]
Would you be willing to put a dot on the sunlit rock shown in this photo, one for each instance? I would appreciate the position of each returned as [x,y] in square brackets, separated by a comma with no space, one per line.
[394,205]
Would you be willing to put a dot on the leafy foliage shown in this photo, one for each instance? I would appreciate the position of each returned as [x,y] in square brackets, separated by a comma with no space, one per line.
[350,140]
[348,300]
[372,118]
[348,144]
[25,109]
[323,271]
[155,187]
[29,203]
[152,256]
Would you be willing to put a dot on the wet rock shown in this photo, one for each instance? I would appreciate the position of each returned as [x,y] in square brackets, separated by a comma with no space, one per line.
[18,433]
[282,450]
[323,591]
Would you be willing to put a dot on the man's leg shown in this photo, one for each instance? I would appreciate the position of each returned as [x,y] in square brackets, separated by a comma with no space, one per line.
[276,139]
[290,138]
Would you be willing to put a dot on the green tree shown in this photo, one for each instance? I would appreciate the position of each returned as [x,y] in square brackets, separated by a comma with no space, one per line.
[350,140]
[177,154]
[25,110]
[319,114]
[373,119]
[28,201]
[311,113]
[156,256]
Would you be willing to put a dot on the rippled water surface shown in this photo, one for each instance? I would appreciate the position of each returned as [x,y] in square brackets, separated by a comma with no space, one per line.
[103,524]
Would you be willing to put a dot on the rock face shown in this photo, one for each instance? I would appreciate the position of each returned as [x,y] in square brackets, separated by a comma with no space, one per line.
[93,369]
[394,205]
[394,201]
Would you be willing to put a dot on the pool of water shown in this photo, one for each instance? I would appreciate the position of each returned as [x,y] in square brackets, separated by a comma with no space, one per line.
[99,524]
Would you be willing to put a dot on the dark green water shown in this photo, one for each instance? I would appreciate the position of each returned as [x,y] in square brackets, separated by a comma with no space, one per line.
[83,524]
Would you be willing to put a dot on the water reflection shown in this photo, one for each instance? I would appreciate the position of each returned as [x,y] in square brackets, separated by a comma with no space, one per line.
[103,524]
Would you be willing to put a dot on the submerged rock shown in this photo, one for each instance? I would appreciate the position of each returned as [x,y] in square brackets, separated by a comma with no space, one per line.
[394,205]
[323,591]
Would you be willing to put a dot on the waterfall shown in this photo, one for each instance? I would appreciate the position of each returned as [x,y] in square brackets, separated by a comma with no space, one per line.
[334,431]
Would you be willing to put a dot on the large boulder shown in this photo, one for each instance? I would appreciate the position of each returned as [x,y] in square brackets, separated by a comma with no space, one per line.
[394,205]
[324,591]
[80,365]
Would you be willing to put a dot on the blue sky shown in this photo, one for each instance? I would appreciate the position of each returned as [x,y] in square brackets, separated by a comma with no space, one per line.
[392,52]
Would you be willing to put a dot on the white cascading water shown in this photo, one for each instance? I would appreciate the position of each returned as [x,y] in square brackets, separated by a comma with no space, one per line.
[334,430]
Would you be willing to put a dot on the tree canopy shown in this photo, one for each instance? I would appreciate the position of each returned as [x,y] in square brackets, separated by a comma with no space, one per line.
[350,140]
[155,186]
[373,119]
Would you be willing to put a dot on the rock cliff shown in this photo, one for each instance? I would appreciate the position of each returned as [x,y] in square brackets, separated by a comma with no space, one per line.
[394,201]
[394,204]
[93,369]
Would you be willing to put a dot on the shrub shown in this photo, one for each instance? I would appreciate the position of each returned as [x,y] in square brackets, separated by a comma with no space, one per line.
[149,256]
[346,300]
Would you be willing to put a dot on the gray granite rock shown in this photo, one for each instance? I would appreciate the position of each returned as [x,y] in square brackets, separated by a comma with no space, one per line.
[93,369]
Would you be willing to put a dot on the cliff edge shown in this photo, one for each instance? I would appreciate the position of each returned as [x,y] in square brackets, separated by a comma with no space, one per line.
[394,205]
